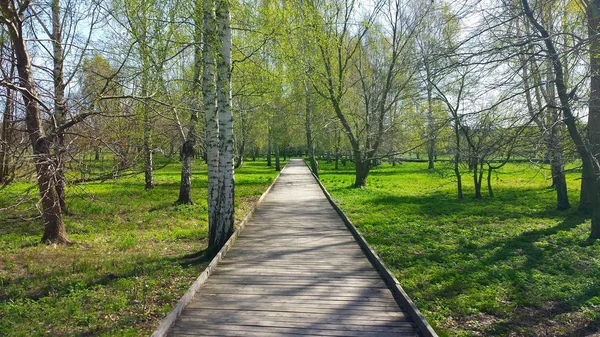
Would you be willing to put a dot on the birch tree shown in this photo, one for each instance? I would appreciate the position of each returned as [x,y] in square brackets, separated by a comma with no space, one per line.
[226,173]
[216,89]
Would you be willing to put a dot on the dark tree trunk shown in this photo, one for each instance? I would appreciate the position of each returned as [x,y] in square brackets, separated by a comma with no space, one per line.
[337,160]
[338,141]
[477,179]
[363,166]
[557,167]
[587,196]
[559,181]
[269,163]
[277,162]
[185,186]
[6,138]
[314,165]
[489,182]
[595,233]
[54,228]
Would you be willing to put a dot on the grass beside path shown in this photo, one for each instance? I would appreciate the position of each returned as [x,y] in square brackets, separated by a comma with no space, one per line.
[135,254]
[507,266]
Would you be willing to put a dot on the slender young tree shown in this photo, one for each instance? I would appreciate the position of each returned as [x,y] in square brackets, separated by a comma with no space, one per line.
[188,148]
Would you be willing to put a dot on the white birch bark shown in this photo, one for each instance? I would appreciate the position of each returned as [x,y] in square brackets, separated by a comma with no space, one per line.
[212,121]
[226,172]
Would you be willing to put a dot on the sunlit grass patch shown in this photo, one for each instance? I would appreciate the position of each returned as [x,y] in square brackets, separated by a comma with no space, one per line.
[134,256]
[505,266]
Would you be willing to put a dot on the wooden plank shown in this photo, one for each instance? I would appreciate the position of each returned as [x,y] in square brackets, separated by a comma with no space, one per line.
[336,282]
[365,318]
[256,297]
[237,330]
[343,326]
[208,333]
[314,307]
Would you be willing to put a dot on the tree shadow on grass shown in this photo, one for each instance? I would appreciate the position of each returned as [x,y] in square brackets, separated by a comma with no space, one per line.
[532,268]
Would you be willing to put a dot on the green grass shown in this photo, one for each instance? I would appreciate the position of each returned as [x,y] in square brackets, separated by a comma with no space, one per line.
[135,254]
[507,266]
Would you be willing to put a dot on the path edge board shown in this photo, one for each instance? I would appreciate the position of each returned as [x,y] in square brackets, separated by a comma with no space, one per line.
[168,321]
[401,297]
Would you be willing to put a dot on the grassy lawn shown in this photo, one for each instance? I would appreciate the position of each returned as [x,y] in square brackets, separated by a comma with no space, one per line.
[135,254]
[508,266]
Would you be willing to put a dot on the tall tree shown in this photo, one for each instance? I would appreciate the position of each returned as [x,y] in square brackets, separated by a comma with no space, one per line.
[212,120]
[588,195]
[590,164]
[226,171]
[342,47]
[12,15]
[216,88]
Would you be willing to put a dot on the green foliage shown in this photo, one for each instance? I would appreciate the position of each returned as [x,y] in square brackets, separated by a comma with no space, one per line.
[511,265]
[134,257]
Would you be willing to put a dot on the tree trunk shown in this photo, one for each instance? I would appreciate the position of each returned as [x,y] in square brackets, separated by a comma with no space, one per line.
[188,148]
[269,141]
[148,174]
[212,122]
[430,122]
[54,228]
[59,103]
[337,160]
[478,193]
[595,233]
[362,169]
[277,162]
[477,175]
[457,161]
[185,186]
[226,172]
[588,192]
[489,182]
[557,169]
[6,137]
[314,166]
[338,141]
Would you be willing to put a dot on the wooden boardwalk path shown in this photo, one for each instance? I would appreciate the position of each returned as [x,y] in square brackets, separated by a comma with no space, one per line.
[294,271]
